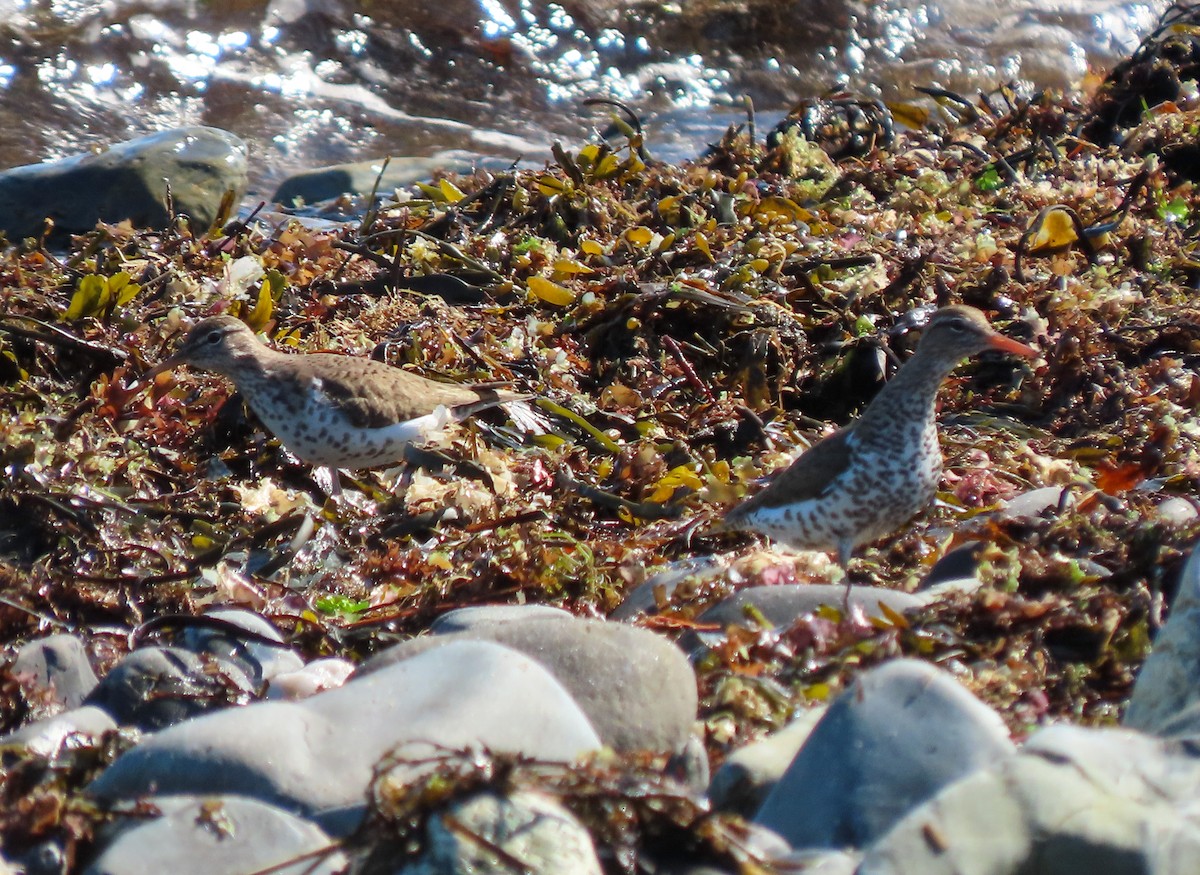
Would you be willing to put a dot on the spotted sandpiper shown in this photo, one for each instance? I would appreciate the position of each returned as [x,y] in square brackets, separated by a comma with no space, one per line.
[327,409]
[868,479]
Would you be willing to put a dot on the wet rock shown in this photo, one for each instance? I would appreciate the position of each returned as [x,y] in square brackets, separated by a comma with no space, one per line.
[525,832]
[359,178]
[899,734]
[783,605]
[1037,502]
[255,653]
[127,181]
[316,757]
[1177,511]
[636,687]
[1169,682]
[44,737]
[57,666]
[1074,801]
[202,835]
[645,597]
[467,619]
[159,686]
[750,773]
[958,564]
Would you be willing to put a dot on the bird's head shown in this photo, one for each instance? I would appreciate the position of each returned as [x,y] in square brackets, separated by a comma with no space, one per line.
[215,344]
[956,332]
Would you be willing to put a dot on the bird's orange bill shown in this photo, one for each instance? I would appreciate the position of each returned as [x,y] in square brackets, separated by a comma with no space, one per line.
[1007,344]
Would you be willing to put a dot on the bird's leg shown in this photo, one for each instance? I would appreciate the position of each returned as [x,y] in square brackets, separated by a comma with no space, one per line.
[845,550]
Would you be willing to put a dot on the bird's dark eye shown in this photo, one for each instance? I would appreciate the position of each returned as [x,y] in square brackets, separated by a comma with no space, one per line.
[214,337]
[958,326]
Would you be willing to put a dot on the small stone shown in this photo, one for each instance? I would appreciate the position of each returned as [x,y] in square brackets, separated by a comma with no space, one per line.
[46,737]
[360,178]
[782,605]
[159,686]
[57,665]
[205,835]
[258,659]
[636,687]
[524,832]
[1037,502]
[899,734]
[1177,510]
[468,619]
[750,773]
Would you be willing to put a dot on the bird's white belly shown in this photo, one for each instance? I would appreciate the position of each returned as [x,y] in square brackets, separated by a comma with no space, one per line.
[323,436]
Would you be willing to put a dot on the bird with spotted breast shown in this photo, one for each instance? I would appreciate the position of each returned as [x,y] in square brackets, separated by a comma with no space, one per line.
[868,479]
[328,409]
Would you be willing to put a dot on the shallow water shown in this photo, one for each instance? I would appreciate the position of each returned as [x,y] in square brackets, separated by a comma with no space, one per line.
[308,82]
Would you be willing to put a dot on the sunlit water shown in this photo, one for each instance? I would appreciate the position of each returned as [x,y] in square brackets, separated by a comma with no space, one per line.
[311,82]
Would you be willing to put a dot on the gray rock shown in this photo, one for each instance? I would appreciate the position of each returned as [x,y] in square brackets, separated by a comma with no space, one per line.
[1037,502]
[57,665]
[662,584]
[899,734]
[467,619]
[206,835]
[359,178]
[260,660]
[159,686]
[1177,510]
[126,181]
[636,687]
[315,757]
[750,773]
[961,563]
[784,604]
[534,833]
[1169,682]
[45,737]
[1074,801]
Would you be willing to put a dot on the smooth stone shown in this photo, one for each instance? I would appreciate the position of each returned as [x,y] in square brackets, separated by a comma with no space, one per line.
[636,687]
[57,666]
[961,563]
[316,677]
[360,178]
[46,737]
[467,619]
[644,598]
[1169,682]
[1036,502]
[1177,510]
[1074,801]
[899,734]
[782,605]
[316,757]
[154,687]
[127,181]
[522,832]
[215,834]
[750,773]
[258,659]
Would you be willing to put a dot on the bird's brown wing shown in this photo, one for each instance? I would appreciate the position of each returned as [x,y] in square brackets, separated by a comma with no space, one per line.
[374,395]
[807,477]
